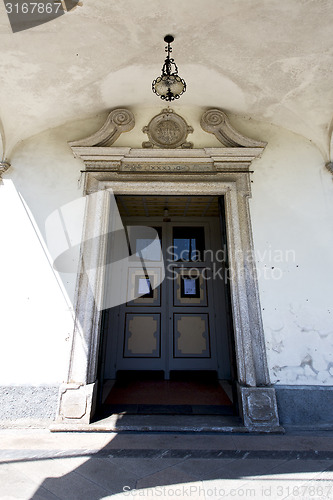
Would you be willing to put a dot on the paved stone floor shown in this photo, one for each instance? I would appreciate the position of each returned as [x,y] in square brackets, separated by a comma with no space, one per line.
[40,465]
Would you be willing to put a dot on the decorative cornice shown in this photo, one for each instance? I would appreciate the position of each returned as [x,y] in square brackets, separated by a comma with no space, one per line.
[154,160]
[164,159]
[219,154]
[119,121]
[216,122]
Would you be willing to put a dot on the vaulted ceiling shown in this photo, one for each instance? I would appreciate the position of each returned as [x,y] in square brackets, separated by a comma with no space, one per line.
[271,60]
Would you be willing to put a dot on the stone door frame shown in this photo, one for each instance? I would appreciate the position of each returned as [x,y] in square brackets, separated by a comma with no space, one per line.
[208,171]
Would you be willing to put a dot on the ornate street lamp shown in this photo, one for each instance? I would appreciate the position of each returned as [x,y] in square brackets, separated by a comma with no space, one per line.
[169,86]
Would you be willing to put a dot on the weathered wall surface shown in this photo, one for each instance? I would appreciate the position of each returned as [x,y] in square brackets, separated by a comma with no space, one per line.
[291,207]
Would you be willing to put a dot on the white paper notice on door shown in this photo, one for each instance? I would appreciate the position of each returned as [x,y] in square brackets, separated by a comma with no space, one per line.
[189,286]
[144,286]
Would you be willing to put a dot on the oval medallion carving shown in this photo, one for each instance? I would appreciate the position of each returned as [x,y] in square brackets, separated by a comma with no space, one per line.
[167,130]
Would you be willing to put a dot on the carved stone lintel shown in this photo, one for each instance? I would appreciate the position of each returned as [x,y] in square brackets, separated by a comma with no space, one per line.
[167,130]
[259,409]
[119,121]
[192,160]
[216,122]
[4,166]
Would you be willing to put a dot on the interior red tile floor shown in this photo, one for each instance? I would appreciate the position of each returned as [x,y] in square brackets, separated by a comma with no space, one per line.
[167,392]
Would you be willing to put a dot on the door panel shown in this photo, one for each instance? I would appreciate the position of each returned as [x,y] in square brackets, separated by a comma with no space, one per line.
[192,342]
[176,325]
[191,336]
[140,329]
[142,336]
[190,288]
[142,289]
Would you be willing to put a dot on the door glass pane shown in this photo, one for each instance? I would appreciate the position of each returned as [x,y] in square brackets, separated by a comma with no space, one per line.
[188,243]
[145,243]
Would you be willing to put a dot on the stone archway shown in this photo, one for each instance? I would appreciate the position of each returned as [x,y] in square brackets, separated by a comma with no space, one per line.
[211,171]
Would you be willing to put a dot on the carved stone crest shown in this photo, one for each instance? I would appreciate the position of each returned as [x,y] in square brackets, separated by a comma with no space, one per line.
[167,130]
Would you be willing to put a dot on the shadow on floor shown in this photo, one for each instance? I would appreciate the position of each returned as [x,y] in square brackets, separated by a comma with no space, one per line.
[118,468]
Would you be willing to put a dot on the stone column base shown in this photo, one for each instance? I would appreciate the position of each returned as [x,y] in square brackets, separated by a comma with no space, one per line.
[258,409]
[76,403]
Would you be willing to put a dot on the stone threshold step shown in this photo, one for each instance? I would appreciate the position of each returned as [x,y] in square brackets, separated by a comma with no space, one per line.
[156,423]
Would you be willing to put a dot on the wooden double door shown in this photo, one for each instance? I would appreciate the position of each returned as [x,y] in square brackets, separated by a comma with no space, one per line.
[173,317]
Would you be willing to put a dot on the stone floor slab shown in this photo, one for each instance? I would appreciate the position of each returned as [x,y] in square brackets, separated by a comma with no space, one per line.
[285,442]
[108,475]
[171,441]
[15,484]
[73,487]
[204,469]
[38,470]
[142,467]
[43,494]
[165,477]
[301,470]
[59,477]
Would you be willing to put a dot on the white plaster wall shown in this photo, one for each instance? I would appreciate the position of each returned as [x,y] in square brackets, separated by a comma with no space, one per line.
[291,211]
[36,320]
[291,208]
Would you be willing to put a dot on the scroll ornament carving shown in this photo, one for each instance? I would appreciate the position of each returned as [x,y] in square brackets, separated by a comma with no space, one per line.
[167,130]
[119,121]
[216,122]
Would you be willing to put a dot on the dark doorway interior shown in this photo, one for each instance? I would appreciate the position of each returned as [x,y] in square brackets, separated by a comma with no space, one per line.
[189,389]
[186,393]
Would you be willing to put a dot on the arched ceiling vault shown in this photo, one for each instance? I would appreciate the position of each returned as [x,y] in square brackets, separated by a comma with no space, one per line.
[270,60]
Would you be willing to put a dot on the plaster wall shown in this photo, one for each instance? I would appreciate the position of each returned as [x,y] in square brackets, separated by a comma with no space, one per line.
[291,210]
[36,320]
[292,228]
